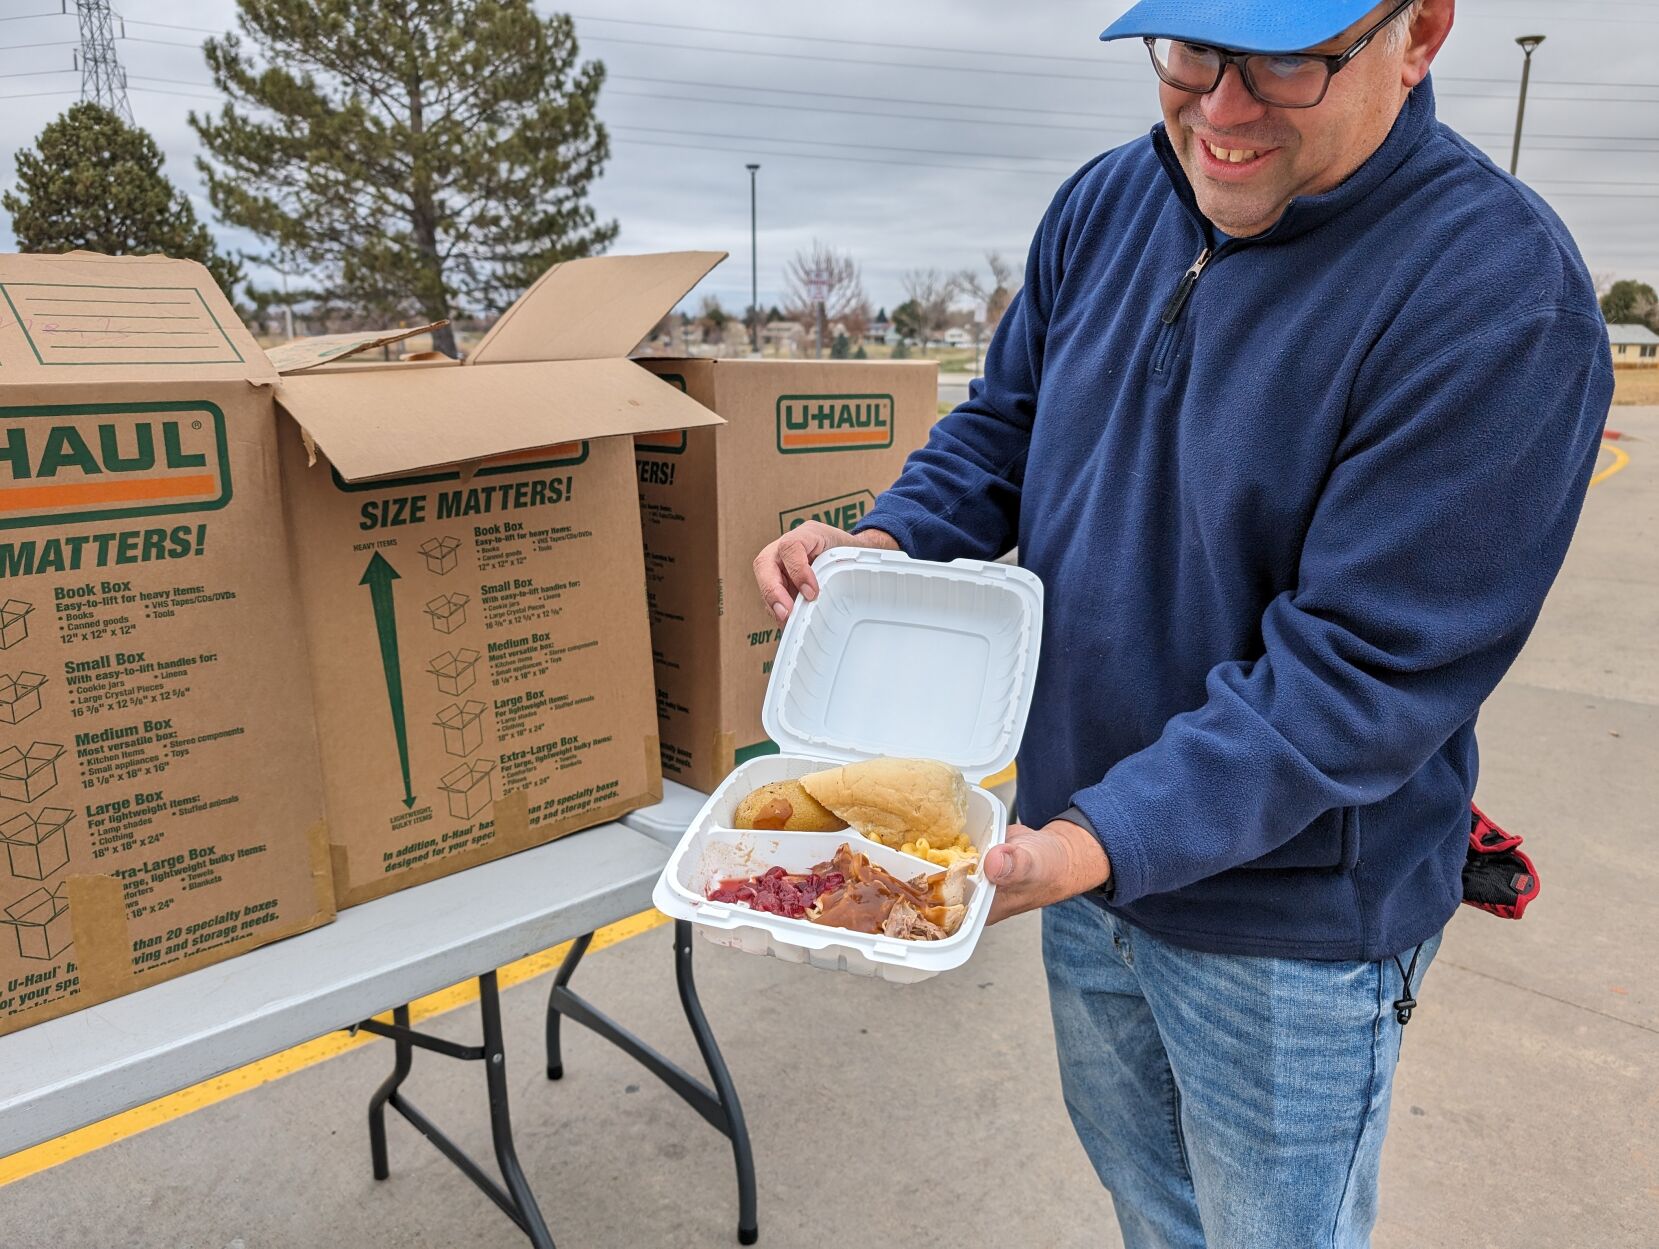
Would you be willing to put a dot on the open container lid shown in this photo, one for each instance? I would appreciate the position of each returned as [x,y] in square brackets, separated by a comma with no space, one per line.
[909,658]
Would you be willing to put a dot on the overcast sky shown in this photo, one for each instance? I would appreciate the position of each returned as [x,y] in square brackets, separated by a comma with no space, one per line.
[953,120]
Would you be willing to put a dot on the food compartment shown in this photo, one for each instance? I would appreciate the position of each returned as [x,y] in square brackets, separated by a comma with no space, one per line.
[712,851]
[987,818]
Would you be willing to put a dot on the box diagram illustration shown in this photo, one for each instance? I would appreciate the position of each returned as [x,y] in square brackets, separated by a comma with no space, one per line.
[442,554]
[27,774]
[41,921]
[14,622]
[463,727]
[20,696]
[448,612]
[471,788]
[37,845]
[457,671]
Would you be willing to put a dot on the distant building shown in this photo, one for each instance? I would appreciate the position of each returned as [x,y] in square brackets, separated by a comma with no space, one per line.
[1634,346]
[956,336]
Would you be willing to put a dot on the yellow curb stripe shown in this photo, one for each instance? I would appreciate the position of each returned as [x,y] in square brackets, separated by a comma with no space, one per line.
[1621,459]
[175,1105]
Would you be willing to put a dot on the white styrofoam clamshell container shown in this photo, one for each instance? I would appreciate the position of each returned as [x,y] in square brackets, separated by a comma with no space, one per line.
[896,657]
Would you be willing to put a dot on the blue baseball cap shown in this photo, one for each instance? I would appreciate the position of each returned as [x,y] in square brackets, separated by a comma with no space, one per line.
[1249,26]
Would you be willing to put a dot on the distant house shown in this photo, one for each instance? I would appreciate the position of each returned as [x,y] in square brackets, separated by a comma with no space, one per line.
[783,336]
[956,336]
[880,329]
[1634,346]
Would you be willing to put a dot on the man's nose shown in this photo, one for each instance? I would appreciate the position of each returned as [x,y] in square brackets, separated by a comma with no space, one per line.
[1231,103]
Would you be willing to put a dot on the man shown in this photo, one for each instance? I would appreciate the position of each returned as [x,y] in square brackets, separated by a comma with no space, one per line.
[1294,418]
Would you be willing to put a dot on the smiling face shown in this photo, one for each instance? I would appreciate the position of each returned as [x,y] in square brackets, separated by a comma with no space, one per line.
[1247,160]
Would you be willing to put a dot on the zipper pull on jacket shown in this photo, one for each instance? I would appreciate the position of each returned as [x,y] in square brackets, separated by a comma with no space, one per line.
[1189,279]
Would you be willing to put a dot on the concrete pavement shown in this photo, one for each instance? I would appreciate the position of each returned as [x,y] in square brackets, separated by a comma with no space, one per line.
[1523,1112]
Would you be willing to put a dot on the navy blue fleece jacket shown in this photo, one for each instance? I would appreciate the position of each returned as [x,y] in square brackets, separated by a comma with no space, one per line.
[1293,528]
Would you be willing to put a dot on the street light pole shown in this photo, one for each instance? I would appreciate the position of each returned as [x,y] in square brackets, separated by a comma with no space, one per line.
[754,263]
[1529,44]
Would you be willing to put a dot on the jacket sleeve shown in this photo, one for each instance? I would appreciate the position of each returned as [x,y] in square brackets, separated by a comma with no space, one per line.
[960,494]
[1445,518]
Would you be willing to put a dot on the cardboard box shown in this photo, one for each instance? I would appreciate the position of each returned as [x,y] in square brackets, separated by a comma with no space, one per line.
[523,459]
[470,788]
[441,554]
[139,516]
[803,440]
[36,845]
[448,612]
[14,622]
[463,727]
[20,696]
[233,586]
[41,922]
[29,774]
[456,671]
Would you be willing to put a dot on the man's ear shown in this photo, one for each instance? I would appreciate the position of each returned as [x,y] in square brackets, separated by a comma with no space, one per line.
[1428,31]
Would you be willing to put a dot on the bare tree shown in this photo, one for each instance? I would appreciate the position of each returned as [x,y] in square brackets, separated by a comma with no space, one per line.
[932,292]
[822,282]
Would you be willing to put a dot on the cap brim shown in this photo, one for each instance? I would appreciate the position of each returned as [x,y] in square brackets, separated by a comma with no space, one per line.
[1258,26]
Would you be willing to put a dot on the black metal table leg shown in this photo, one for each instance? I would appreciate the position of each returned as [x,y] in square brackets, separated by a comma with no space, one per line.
[561,978]
[516,1200]
[404,1060]
[719,1105]
[748,1230]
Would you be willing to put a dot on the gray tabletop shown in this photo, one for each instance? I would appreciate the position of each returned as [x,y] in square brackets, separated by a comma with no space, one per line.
[69,1072]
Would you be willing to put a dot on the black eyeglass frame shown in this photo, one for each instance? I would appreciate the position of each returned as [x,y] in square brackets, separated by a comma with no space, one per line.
[1334,64]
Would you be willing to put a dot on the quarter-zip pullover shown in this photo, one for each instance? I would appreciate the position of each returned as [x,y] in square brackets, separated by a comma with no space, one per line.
[1296,501]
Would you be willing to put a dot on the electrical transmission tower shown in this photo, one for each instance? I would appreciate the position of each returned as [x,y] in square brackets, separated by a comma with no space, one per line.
[103,81]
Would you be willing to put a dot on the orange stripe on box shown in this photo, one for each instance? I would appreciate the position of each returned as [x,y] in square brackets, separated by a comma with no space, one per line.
[27,498]
[843,438]
[556,452]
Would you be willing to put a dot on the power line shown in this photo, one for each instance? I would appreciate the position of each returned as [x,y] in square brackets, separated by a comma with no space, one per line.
[852,112]
[1033,73]
[1141,119]
[23,17]
[996,52]
[862,147]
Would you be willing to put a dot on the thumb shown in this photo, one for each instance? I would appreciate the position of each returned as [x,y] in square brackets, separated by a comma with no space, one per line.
[1008,864]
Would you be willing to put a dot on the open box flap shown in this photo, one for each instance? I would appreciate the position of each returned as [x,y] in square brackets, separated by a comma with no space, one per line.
[386,423]
[904,657]
[82,317]
[593,309]
[300,354]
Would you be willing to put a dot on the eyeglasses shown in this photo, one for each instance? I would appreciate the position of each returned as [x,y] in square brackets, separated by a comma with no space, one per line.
[1279,79]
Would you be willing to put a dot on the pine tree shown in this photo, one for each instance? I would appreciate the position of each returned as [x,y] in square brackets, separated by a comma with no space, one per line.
[841,348]
[419,157]
[94,183]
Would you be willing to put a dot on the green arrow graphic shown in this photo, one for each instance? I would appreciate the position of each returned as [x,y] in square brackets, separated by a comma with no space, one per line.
[378,576]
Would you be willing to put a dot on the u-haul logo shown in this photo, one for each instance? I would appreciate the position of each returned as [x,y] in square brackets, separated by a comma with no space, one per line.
[842,512]
[809,423]
[67,463]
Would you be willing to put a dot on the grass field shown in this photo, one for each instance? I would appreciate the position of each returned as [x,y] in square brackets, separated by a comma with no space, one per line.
[1635,386]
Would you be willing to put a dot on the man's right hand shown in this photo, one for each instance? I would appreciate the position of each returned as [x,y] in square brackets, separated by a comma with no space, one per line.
[785,568]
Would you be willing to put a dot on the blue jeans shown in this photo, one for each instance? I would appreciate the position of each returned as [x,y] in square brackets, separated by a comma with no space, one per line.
[1225,1101]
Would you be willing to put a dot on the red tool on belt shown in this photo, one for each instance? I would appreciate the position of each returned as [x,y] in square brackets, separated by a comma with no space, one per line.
[1497,876]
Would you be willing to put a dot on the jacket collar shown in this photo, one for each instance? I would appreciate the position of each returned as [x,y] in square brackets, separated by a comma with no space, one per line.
[1411,128]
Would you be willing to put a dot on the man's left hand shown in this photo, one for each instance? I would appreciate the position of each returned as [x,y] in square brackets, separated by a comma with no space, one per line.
[1040,866]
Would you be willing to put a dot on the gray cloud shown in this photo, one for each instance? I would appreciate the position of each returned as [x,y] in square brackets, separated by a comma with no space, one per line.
[881,197]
